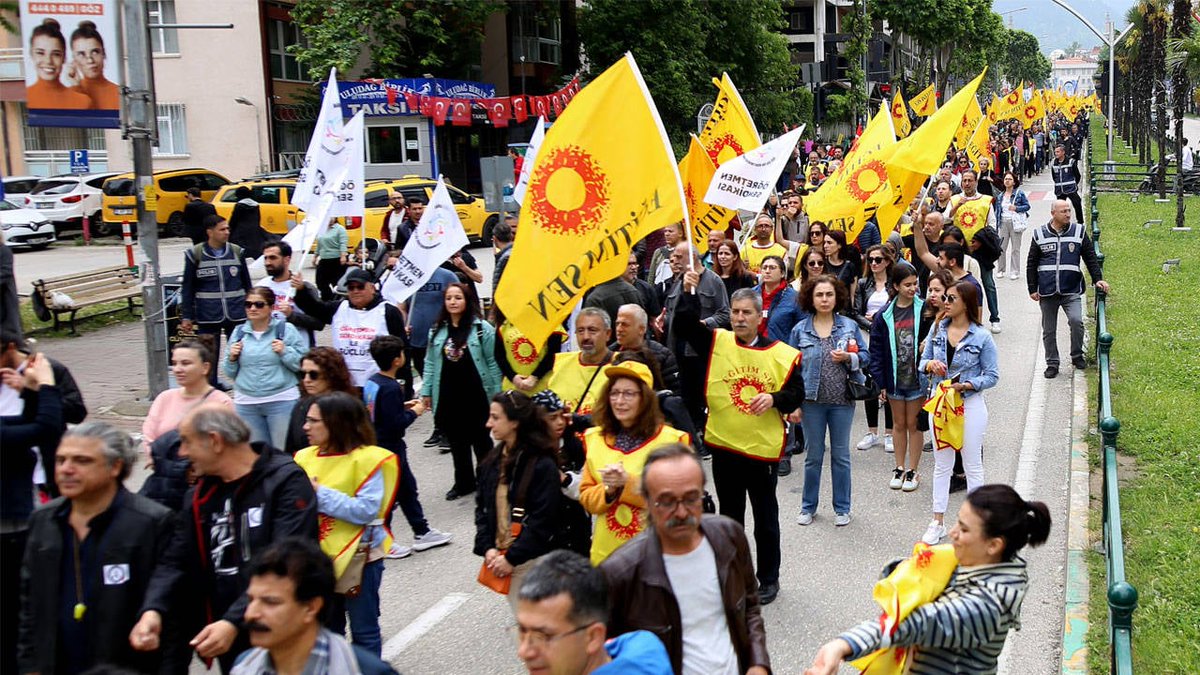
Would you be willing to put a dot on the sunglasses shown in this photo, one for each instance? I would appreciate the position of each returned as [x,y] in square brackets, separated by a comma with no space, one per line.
[256,304]
[875,260]
[355,286]
[949,298]
[311,374]
[814,263]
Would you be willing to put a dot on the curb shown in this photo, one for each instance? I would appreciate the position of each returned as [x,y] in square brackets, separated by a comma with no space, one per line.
[1075,620]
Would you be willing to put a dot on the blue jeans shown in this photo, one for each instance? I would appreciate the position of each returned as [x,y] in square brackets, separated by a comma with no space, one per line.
[989,291]
[362,609]
[268,422]
[836,419]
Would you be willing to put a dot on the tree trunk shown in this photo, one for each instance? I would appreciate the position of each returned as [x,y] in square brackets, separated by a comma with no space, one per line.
[1181,27]
[1158,71]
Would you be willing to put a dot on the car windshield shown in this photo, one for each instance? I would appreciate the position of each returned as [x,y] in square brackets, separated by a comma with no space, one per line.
[118,187]
[54,187]
[8,206]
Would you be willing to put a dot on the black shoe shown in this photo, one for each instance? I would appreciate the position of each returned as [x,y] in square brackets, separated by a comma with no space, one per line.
[704,452]
[435,439]
[455,493]
[1080,362]
[1051,372]
[767,593]
[928,447]
[443,450]
[958,483]
[785,466]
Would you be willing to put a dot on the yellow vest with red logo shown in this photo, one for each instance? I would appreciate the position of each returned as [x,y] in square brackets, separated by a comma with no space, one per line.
[347,474]
[622,521]
[972,214]
[522,355]
[569,380]
[753,256]
[736,374]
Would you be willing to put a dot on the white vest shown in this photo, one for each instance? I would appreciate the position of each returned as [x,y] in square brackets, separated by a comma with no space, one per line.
[353,330]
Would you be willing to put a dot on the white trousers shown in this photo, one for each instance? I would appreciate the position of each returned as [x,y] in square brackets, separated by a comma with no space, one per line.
[975,421]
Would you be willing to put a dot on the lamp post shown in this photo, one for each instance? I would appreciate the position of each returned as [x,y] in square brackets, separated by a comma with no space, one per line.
[257,129]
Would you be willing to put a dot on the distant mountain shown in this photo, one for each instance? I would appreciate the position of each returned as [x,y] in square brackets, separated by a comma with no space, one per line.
[1055,27]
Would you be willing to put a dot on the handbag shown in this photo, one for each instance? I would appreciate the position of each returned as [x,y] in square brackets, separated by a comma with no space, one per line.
[864,391]
[350,583]
[1020,222]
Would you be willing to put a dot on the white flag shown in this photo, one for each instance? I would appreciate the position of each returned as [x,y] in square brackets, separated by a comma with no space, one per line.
[746,181]
[326,141]
[437,237]
[316,221]
[348,200]
[531,152]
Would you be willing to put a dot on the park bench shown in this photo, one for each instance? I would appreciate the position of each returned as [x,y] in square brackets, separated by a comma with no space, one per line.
[70,293]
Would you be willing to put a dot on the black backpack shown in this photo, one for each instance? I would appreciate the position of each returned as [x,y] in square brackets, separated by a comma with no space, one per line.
[170,479]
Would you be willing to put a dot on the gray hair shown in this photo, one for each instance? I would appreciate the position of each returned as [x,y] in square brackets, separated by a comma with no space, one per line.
[598,313]
[671,451]
[223,422]
[503,232]
[638,312]
[114,444]
[747,294]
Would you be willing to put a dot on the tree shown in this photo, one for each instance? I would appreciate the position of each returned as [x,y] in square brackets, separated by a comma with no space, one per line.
[963,35]
[680,44]
[404,39]
[1024,62]
[1183,62]
[852,104]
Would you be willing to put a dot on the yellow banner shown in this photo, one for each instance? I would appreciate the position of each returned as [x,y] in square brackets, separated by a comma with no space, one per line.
[924,104]
[967,124]
[1033,111]
[977,145]
[900,120]
[697,171]
[604,178]
[925,150]
[840,200]
[730,130]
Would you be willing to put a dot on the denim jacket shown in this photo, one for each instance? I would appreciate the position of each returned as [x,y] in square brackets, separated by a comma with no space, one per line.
[1020,200]
[805,338]
[975,359]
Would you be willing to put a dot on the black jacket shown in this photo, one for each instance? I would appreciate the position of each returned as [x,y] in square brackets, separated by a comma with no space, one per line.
[245,228]
[540,524]
[194,214]
[862,289]
[668,365]
[276,494]
[41,426]
[133,532]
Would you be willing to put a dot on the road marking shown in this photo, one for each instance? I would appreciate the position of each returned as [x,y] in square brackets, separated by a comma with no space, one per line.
[423,624]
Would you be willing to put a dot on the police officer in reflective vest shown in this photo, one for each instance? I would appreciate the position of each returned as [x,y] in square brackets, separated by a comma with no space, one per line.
[1054,272]
[1065,171]
[753,383]
[214,286]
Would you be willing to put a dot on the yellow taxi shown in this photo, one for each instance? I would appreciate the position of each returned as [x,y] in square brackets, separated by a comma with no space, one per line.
[477,220]
[276,211]
[119,201]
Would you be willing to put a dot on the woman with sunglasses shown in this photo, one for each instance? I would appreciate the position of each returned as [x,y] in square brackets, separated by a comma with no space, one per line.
[461,376]
[810,265]
[263,362]
[963,352]
[727,263]
[841,259]
[322,370]
[871,294]
[933,310]
[628,427]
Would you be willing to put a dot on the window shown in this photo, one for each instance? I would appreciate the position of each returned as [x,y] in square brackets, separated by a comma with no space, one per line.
[399,144]
[172,130]
[800,20]
[280,36]
[376,199]
[459,197]
[211,181]
[538,36]
[162,40]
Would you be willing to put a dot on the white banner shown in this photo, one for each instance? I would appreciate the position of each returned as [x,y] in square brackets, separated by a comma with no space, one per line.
[330,150]
[438,236]
[746,181]
[531,153]
[348,200]
[315,222]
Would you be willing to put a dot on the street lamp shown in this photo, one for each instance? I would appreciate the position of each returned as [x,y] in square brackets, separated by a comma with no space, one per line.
[1012,11]
[257,128]
[1111,41]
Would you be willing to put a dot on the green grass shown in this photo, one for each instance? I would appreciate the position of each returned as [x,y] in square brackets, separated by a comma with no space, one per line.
[1156,396]
[86,320]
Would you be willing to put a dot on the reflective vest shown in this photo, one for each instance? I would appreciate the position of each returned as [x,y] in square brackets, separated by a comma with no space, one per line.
[219,293]
[753,255]
[736,374]
[570,379]
[971,215]
[622,521]
[1064,177]
[347,474]
[522,355]
[1060,265]
[353,330]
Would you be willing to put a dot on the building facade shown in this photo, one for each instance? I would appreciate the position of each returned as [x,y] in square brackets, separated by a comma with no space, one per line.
[1073,75]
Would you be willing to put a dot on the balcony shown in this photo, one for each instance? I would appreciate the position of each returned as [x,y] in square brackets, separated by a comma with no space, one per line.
[12,64]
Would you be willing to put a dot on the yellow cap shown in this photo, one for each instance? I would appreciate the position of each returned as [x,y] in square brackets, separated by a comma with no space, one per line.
[634,369]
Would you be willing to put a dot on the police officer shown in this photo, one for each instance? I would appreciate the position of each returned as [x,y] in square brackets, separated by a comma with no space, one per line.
[1065,171]
[215,283]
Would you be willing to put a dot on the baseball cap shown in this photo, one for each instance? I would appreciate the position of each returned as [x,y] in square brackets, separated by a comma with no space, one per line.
[638,371]
[360,275]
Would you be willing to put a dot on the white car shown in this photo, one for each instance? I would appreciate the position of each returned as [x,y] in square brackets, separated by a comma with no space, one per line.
[68,198]
[16,187]
[25,227]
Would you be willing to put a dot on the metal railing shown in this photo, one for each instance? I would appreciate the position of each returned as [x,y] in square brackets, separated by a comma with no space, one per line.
[1122,596]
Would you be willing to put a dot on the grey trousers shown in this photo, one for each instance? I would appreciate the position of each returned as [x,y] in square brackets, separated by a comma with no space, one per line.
[1073,306]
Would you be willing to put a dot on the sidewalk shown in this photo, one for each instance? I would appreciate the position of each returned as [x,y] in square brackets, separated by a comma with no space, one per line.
[109,366]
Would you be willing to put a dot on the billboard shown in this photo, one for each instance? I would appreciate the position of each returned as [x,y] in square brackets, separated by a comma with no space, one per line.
[72,63]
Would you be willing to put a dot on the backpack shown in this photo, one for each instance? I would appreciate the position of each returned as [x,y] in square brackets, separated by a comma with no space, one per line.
[239,332]
[169,482]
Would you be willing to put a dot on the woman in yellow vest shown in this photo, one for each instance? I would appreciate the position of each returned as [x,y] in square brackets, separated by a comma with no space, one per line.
[629,426]
[523,364]
[355,481]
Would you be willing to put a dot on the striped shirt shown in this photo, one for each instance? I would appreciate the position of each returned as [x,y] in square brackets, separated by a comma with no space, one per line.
[963,630]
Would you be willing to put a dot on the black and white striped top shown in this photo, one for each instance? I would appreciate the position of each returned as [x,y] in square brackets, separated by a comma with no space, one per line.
[963,630]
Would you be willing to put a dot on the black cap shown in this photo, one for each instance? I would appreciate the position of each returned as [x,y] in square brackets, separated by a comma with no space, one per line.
[360,275]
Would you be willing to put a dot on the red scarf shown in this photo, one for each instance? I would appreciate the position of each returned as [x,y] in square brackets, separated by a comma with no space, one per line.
[768,299]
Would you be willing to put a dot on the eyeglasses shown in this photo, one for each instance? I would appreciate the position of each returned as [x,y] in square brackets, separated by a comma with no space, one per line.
[948,297]
[624,395]
[669,505]
[256,304]
[539,640]
[875,260]
[311,374]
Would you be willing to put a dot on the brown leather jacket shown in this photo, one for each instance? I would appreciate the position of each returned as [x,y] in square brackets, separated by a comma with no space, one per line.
[642,598]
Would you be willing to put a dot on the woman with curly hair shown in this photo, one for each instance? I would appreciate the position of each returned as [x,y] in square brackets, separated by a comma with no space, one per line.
[322,370]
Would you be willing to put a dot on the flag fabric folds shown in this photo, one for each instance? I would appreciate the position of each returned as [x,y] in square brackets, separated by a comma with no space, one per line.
[696,170]
[977,145]
[900,121]
[925,150]
[326,143]
[843,198]
[924,104]
[746,181]
[1033,111]
[437,237]
[603,179]
[966,125]
[531,153]
[730,130]
[946,417]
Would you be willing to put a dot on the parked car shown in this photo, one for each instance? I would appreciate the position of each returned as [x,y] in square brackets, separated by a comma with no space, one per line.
[476,219]
[25,227]
[69,198]
[171,187]
[16,187]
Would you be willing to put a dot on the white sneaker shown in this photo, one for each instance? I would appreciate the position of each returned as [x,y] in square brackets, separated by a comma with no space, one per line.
[887,444]
[841,519]
[897,478]
[869,441]
[1013,275]
[805,518]
[995,326]
[911,481]
[431,539]
[398,551]
[934,533]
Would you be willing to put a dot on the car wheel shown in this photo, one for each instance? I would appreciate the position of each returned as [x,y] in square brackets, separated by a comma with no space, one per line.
[175,225]
[488,226]
[101,228]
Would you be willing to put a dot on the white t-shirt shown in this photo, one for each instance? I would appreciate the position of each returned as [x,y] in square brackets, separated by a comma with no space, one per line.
[707,649]
[284,293]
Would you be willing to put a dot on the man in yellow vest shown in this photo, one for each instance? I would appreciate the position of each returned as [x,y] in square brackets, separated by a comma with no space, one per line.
[574,377]
[753,384]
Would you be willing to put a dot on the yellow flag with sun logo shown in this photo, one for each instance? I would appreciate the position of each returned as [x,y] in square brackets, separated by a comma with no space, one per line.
[978,145]
[1033,111]
[697,170]
[841,200]
[604,178]
[900,120]
[967,124]
[924,104]
[730,130]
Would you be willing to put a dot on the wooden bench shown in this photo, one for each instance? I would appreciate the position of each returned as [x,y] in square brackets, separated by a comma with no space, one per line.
[87,289]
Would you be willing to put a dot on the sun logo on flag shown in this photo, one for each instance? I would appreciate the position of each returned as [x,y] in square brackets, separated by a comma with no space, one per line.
[719,144]
[743,390]
[324,526]
[523,351]
[624,521]
[968,220]
[897,110]
[1012,98]
[570,192]
[1030,111]
[867,180]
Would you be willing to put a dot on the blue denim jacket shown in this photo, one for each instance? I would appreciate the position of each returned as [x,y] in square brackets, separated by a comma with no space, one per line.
[975,359]
[805,339]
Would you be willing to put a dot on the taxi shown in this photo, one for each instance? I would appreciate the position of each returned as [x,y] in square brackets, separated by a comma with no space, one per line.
[119,203]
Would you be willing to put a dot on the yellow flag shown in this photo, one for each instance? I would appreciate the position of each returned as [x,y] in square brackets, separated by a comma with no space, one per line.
[604,178]
[977,145]
[924,104]
[900,121]
[697,171]
[730,130]
[840,201]
[968,123]
[925,150]
[1033,111]
[946,417]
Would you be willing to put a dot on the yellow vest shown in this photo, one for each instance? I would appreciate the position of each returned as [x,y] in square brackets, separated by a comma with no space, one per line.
[347,474]
[570,378]
[521,355]
[736,374]
[753,256]
[972,215]
[622,521]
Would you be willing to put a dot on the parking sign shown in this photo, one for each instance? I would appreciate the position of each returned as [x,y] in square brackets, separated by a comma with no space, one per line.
[79,161]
